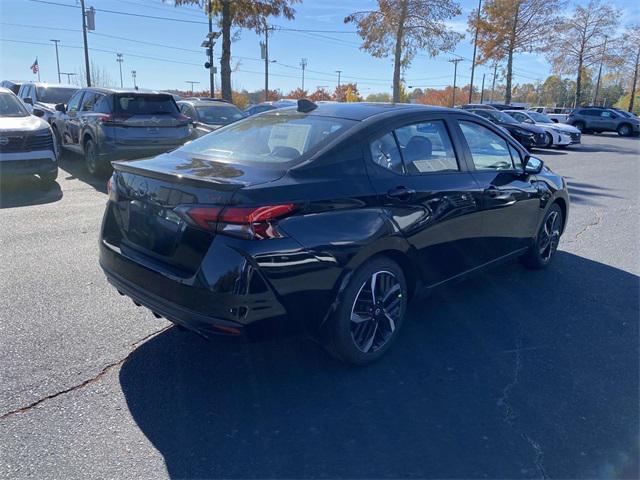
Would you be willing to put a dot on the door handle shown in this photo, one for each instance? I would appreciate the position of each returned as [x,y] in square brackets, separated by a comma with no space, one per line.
[401,193]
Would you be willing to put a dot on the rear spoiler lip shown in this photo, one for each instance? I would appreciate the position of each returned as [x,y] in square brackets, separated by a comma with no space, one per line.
[227,185]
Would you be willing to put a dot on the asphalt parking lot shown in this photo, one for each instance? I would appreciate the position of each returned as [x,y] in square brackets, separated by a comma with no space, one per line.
[513,374]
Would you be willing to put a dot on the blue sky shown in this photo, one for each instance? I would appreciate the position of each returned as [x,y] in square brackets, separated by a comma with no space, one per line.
[180,57]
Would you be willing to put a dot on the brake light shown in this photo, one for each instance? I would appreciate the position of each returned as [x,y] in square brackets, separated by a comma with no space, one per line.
[245,222]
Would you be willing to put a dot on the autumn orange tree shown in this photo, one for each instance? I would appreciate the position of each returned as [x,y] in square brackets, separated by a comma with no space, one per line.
[507,27]
[402,27]
[249,14]
[320,94]
[577,42]
[347,92]
[297,93]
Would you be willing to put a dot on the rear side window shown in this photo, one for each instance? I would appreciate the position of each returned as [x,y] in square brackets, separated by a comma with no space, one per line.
[145,104]
[606,114]
[488,150]
[103,104]
[426,147]
[385,152]
[74,102]
[89,101]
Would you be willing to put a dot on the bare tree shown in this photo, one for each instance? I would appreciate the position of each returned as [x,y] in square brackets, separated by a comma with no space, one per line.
[402,27]
[506,27]
[578,41]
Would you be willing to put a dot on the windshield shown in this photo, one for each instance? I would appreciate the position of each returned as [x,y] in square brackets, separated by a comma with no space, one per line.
[145,104]
[218,115]
[540,117]
[270,138]
[55,94]
[11,106]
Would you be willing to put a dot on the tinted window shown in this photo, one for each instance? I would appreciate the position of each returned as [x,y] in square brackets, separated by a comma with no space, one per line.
[11,106]
[606,114]
[521,117]
[426,147]
[55,94]
[188,111]
[145,104]
[74,103]
[385,152]
[103,104]
[90,100]
[268,138]
[220,115]
[488,150]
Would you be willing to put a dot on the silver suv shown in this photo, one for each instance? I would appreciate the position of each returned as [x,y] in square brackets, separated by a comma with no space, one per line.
[603,120]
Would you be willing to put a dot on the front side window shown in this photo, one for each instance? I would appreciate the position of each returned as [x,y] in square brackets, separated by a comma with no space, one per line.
[426,147]
[385,152]
[488,150]
[270,138]
[74,103]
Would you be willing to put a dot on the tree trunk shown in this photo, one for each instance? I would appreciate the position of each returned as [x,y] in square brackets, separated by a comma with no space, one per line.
[397,58]
[512,46]
[635,81]
[225,59]
[579,83]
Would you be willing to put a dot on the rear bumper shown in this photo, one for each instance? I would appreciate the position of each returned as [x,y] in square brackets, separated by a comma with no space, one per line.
[28,163]
[112,151]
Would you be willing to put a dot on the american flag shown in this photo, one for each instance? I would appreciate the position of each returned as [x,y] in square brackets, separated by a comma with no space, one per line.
[34,67]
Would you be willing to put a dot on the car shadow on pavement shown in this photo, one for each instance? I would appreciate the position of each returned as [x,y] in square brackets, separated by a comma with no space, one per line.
[26,191]
[75,168]
[513,374]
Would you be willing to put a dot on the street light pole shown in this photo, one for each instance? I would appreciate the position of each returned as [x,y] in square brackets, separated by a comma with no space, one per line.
[86,48]
[482,90]
[68,74]
[133,74]
[493,84]
[303,64]
[339,72]
[120,60]
[595,94]
[57,58]
[192,83]
[455,62]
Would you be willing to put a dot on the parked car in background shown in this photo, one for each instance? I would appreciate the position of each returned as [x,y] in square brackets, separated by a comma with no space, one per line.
[13,85]
[41,98]
[208,116]
[327,218]
[265,106]
[558,134]
[599,120]
[529,136]
[556,114]
[105,124]
[476,106]
[26,142]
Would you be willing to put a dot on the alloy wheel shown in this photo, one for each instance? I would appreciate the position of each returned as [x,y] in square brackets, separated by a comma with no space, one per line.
[376,311]
[549,140]
[90,152]
[624,130]
[549,236]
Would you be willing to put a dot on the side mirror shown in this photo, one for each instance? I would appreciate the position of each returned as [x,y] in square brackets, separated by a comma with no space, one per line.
[38,113]
[60,108]
[554,120]
[28,100]
[533,165]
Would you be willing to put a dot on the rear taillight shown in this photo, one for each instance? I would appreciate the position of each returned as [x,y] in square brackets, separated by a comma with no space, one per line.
[245,222]
[108,118]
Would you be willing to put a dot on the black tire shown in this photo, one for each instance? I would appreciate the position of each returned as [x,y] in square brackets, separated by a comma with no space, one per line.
[546,243]
[625,130]
[96,166]
[58,141]
[364,341]
[549,140]
[48,179]
[580,126]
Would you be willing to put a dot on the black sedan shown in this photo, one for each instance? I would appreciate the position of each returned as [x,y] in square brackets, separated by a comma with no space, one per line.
[325,217]
[528,135]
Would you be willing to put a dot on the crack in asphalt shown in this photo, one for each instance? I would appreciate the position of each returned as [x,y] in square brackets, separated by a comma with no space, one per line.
[84,383]
[597,221]
[539,455]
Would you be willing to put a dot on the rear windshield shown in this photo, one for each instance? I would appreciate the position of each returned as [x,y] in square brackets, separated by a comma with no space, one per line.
[11,106]
[219,115]
[55,94]
[145,104]
[269,138]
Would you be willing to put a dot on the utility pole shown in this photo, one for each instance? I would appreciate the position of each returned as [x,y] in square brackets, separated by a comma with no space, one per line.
[120,60]
[493,84]
[68,74]
[303,64]
[455,62]
[212,86]
[322,89]
[264,50]
[192,83]
[595,94]
[57,58]
[635,81]
[86,48]
[482,90]
[133,74]
[475,46]
[339,72]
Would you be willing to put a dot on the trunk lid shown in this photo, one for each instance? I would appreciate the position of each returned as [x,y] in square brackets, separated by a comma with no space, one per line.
[142,220]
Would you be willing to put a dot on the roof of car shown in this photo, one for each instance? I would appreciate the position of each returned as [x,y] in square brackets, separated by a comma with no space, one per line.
[6,90]
[206,103]
[124,90]
[56,85]
[363,110]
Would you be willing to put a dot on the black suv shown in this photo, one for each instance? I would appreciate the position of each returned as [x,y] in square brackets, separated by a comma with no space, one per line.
[119,124]
[594,119]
